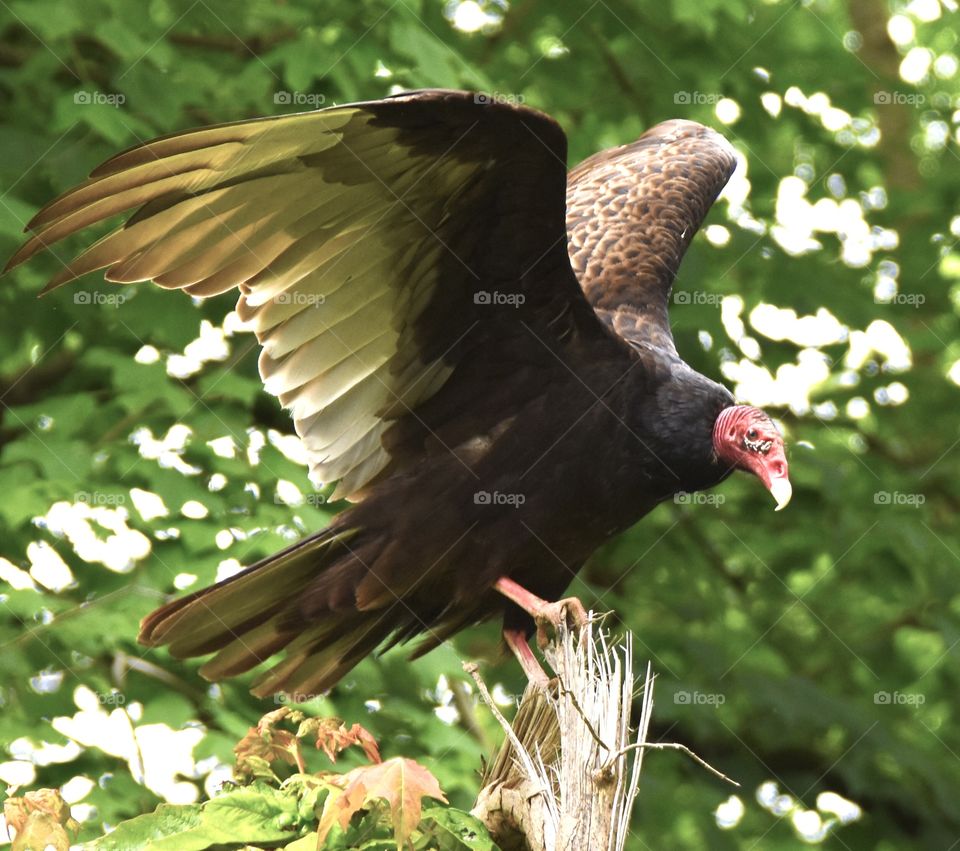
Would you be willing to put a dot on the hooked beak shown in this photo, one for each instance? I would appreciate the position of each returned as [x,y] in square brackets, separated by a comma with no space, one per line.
[771,469]
[781,490]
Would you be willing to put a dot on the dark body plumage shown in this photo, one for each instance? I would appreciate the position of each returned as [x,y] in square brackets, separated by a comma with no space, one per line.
[521,406]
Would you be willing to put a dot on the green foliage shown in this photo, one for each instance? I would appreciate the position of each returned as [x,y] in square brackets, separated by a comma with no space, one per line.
[255,814]
[266,812]
[816,648]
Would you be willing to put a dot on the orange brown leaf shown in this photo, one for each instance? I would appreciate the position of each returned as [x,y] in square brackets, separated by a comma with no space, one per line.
[332,736]
[401,782]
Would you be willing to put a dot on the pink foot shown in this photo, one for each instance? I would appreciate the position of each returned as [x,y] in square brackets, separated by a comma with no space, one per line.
[569,611]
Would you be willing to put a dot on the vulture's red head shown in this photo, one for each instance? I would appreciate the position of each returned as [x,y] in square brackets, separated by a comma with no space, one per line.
[745,438]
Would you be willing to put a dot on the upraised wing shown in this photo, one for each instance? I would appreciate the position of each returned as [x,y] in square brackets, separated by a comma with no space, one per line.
[375,246]
[631,213]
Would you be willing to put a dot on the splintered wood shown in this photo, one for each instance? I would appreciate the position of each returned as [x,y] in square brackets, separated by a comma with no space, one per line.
[568,771]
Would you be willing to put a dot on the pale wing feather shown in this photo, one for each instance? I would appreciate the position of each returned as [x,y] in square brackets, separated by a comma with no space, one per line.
[301,327]
[331,227]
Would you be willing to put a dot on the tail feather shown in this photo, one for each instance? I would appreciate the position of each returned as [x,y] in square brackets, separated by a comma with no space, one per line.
[445,630]
[315,664]
[247,651]
[316,601]
[208,619]
[247,618]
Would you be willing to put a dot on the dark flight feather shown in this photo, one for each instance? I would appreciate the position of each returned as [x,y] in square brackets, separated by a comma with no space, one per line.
[631,213]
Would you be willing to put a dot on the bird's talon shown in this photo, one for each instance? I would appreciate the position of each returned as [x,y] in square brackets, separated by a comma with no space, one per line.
[577,616]
[569,611]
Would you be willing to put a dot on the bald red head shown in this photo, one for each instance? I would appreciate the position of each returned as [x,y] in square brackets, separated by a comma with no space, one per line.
[745,438]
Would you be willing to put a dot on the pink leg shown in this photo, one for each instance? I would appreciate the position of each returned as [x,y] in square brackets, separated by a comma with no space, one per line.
[517,642]
[545,613]
[529,602]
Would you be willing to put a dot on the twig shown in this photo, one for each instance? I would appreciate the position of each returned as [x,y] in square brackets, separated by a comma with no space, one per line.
[465,712]
[472,669]
[659,746]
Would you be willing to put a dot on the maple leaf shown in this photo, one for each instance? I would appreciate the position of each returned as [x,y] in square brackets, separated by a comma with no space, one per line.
[332,737]
[402,783]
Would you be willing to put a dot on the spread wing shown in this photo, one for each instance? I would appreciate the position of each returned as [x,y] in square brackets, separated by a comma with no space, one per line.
[375,246]
[631,213]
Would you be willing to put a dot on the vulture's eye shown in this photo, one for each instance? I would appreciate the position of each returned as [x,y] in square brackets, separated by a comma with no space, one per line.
[751,434]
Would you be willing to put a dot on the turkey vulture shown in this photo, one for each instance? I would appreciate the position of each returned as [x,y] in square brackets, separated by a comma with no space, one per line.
[474,344]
